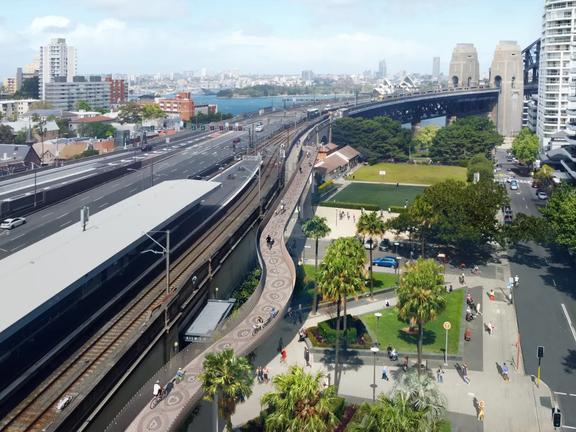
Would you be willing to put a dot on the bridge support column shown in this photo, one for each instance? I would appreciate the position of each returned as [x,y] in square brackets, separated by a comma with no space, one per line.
[416,124]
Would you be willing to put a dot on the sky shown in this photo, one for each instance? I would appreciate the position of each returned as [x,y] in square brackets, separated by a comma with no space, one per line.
[263,36]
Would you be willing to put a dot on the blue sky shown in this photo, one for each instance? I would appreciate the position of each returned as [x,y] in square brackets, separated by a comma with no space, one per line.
[268,36]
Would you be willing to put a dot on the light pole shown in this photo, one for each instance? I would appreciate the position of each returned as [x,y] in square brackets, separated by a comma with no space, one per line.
[378,315]
[374,350]
[35,166]
[164,251]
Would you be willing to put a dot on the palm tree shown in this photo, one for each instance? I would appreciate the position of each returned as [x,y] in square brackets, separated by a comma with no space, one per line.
[422,393]
[390,415]
[341,275]
[316,228]
[422,214]
[227,380]
[371,225]
[421,295]
[299,403]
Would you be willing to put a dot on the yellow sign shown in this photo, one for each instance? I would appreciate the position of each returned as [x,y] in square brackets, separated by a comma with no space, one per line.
[447,325]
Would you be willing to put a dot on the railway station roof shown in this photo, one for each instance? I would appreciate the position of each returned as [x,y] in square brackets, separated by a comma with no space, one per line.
[39,275]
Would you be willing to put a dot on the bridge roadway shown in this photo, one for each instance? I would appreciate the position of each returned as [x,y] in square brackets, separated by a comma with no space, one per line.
[279,278]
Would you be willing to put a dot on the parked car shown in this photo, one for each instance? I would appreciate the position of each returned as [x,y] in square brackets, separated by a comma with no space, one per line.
[514,185]
[370,244]
[542,195]
[11,223]
[386,261]
[384,245]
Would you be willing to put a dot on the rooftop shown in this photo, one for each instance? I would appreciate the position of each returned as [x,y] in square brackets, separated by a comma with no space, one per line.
[33,275]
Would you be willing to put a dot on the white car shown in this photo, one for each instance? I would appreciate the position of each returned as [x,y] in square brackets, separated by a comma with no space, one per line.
[370,244]
[542,195]
[12,223]
[514,185]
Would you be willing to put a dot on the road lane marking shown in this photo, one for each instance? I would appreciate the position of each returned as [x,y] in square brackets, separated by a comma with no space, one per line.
[567,427]
[62,215]
[554,282]
[99,198]
[65,223]
[569,322]
[84,198]
[561,393]
[46,215]
[103,205]
[132,190]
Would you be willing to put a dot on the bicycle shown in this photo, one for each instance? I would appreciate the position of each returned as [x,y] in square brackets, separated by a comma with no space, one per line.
[157,399]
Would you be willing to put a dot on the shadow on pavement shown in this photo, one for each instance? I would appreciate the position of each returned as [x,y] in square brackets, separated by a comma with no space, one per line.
[569,361]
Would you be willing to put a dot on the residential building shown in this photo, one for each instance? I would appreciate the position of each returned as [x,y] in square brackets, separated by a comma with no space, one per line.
[532,113]
[65,95]
[10,85]
[15,108]
[556,53]
[118,90]
[205,109]
[57,61]
[382,72]
[307,75]
[182,105]
[436,67]
[16,158]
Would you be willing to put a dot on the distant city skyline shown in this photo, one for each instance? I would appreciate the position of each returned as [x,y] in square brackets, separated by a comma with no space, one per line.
[254,36]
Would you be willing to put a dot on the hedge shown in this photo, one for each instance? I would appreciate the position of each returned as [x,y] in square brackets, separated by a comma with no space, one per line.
[398,209]
[325,185]
[324,335]
[348,205]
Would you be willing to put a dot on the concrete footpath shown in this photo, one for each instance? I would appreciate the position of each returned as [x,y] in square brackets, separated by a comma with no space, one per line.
[517,406]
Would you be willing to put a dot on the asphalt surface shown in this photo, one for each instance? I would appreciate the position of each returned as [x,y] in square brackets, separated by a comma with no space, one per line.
[178,163]
[545,303]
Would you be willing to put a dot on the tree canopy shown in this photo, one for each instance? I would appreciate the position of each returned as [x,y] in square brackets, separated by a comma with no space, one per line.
[377,138]
[560,213]
[83,106]
[133,112]
[316,228]
[466,137]
[6,134]
[97,130]
[424,137]
[525,146]
[30,89]
[482,165]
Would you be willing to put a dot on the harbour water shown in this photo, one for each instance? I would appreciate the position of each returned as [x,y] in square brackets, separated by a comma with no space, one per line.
[252,104]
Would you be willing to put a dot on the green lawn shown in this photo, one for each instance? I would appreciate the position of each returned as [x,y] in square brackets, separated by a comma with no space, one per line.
[305,283]
[390,328]
[410,173]
[382,195]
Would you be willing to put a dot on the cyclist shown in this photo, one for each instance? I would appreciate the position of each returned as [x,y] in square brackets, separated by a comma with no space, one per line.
[157,392]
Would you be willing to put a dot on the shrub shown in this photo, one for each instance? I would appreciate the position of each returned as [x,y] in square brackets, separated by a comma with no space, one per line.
[324,335]
[325,185]
[398,209]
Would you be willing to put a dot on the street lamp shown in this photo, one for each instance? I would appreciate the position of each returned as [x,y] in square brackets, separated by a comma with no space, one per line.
[378,315]
[375,351]
[164,251]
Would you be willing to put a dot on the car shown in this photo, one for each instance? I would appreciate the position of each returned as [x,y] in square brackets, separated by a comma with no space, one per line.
[514,185]
[11,223]
[542,195]
[386,261]
[384,245]
[508,218]
[236,140]
[370,244]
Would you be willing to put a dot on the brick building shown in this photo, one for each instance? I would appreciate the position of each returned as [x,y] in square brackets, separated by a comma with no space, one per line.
[118,90]
[182,104]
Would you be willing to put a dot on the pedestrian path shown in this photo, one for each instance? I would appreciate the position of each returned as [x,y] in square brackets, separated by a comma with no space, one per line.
[516,406]
[279,278]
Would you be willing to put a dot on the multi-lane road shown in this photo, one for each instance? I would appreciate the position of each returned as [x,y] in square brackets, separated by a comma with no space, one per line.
[184,157]
[545,303]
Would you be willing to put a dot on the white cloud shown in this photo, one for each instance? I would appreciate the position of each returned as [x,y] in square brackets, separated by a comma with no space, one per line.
[140,9]
[50,24]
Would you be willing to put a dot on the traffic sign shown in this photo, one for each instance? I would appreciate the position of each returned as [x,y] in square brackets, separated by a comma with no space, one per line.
[447,325]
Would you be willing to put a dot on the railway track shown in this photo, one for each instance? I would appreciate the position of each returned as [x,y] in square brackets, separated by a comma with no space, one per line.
[39,409]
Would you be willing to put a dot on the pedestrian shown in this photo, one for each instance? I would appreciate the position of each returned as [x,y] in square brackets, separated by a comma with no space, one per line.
[516,280]
[440,375]
[405,364]
[300,168]
[307,356]
[490,328]
[280,345]
[259,376]
[462,279]
[354,218]
[265,375]
[348,214]
[477,308]
[397,185]
[465,373]
[481,410]
[387,303]
[283,356]
[385,373]
[505,373]
[450,289]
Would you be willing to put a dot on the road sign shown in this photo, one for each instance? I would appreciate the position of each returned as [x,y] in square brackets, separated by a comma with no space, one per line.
[447,325]
[540,352]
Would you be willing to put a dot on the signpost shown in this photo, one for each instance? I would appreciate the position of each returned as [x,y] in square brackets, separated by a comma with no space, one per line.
[447,326]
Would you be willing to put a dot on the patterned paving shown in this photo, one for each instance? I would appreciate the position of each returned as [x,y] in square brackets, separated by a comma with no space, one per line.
[279,284]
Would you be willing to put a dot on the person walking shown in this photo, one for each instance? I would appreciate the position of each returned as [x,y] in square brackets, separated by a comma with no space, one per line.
[283,356]
[265,375]
[385,373]
[481,410]
[516,280]
[505,373]
[307,357]
[465,373]
[440,375]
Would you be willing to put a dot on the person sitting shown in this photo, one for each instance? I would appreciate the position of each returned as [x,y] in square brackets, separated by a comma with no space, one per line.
[393,355]
[505,372]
